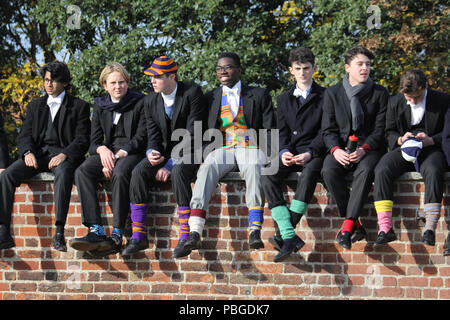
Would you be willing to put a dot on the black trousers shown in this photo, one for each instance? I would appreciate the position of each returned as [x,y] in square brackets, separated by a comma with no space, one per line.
[181,176]
[18,171]
[306,183]
[334,174]
[86,178]
[432,166]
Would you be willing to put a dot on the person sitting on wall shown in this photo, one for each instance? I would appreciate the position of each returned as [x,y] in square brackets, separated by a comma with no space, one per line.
[414,124]
[354,113]
[54,138]
[173,105]
[299,111]
[118,141]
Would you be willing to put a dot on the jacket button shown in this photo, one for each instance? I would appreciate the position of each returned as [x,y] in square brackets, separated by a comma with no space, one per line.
[295,132]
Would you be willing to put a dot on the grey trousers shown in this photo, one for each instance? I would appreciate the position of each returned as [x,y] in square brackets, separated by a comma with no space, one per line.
[219,162]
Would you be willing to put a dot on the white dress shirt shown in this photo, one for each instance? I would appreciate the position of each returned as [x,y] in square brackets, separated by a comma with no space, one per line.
[55,103]
[169,100]
[233,96]
[417,110]
[303,94]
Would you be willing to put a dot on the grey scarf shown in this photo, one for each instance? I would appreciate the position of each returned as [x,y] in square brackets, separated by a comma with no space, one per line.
[355,104]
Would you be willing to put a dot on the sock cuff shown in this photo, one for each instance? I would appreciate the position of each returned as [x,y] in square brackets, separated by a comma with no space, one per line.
[432,207]
[280,213]
[200,213]
[383,205]
[298,206]
[196,224]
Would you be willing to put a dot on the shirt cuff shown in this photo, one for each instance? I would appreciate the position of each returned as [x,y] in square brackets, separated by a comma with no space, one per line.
[148,151]
[366,147]
[283,151]
[170,163]
[332,150]
[126,153]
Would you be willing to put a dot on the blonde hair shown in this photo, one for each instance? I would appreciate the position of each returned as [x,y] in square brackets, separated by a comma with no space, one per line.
[112,67]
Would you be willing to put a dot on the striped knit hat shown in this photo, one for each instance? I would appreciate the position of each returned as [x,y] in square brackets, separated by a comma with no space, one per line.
[411,148]
[162,65]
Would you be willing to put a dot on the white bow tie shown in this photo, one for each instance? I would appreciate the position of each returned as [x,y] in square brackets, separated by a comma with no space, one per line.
[297,93]
[233,91]
[52,100]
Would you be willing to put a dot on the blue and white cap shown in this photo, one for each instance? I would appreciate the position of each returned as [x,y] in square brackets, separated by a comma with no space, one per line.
[411,148]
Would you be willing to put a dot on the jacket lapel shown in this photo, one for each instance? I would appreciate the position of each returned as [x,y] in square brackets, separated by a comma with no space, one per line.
[161,115]
[214,108]
[66,104]
[248,104]
[431,116]
[405,114]
[128,122]
[177,105]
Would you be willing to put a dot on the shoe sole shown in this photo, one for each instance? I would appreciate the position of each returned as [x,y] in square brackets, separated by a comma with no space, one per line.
[7,245]
[429,243]
[257,245]
[190,247]
[88,246]
[182,254]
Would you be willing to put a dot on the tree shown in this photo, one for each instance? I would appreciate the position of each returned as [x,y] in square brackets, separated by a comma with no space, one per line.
[412,34]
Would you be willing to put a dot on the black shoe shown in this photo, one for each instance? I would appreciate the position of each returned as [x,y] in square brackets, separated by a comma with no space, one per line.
[6,241]
[290,245]
[384,238]
[59,242]
[359,234]
[193,242]
[113,246]
[92,241]
[420,218]
[276,241]
[180,251]
[135,245]
[429,237]
[254,240]
[344,239]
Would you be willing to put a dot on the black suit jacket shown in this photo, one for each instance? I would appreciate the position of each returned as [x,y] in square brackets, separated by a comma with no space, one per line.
[337,120]
[3,146]
[300,126]
[446,136]
[134,124]
[398,117]
[189,107]
[73,127]
[258,109]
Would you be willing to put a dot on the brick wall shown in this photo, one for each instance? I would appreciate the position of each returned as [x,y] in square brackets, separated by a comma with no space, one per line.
[225,268]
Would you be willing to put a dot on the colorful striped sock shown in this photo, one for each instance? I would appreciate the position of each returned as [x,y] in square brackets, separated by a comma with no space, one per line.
[255,218]
[432,215]
[282,217]
[384,215]
[183,219]
[197,220]
[138,217]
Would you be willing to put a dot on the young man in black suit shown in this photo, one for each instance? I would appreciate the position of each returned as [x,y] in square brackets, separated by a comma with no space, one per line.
[355,107]
[54,137]
[414,124]
[173,105]
[234,110]
[118,142]
[301,149]
[3,148]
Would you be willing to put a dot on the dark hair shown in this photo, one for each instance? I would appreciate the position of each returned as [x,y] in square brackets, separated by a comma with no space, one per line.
[58,71]
[353,52]
[413,80]
[301,55]
[231,55]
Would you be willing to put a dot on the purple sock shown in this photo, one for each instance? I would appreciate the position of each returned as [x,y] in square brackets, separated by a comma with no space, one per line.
[138,217]
[183,218]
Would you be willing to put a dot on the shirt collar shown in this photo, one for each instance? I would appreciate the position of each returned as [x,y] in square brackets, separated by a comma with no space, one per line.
[172,95]
[236,88]
[59,99]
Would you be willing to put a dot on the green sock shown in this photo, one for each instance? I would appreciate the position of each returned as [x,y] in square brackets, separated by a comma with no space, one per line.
[282,217]
[298,207]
